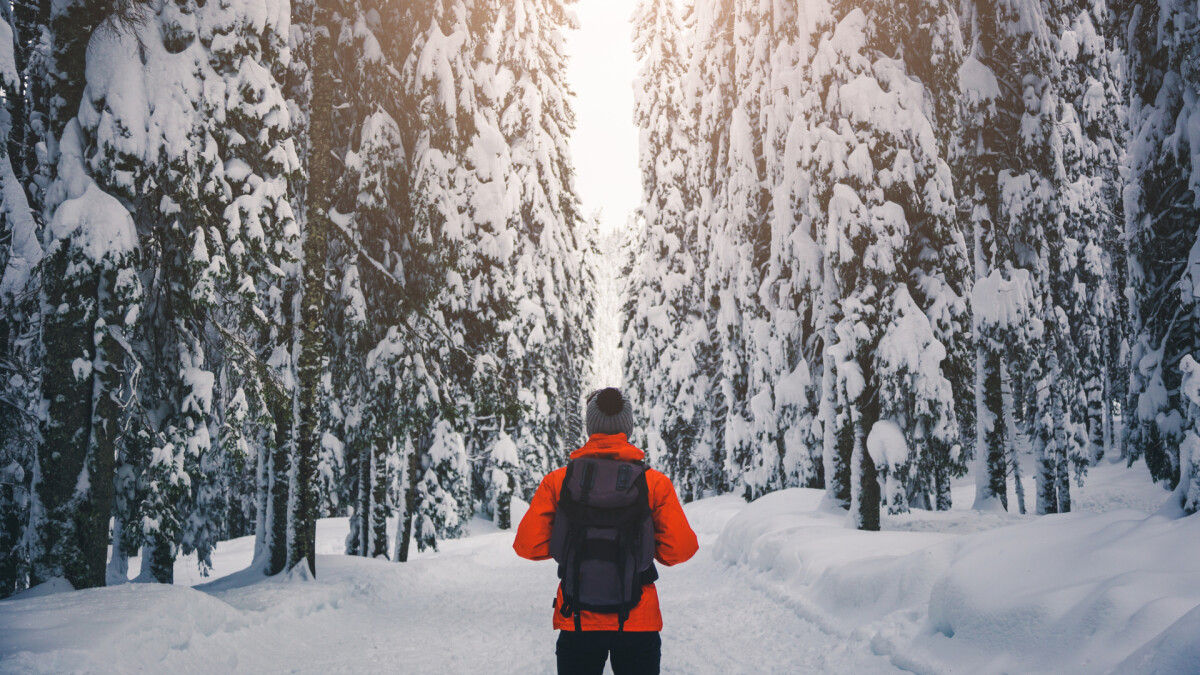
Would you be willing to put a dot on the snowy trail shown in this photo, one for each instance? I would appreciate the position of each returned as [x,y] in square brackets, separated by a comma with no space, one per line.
[472,608]
[476,608]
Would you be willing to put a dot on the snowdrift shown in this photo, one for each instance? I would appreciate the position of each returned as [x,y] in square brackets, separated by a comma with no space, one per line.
[1072,593]
[111,628]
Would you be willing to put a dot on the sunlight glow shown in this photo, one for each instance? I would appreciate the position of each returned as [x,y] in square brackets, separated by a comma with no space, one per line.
[605,143]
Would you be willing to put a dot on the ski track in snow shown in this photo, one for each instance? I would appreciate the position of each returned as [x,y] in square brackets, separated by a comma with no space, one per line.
[472,608]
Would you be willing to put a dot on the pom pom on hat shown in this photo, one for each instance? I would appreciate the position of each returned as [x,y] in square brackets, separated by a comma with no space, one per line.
[608,412]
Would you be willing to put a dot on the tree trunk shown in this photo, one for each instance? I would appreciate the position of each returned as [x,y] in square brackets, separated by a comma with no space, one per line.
[377,514]
[312,307]
[1010,450]
[63,455]
[991,481]
[410,506]
[277,481]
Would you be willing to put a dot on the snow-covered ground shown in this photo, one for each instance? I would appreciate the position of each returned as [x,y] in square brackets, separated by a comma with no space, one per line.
[779,586]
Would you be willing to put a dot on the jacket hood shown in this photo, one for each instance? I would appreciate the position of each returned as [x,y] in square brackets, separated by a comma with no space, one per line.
[616,446]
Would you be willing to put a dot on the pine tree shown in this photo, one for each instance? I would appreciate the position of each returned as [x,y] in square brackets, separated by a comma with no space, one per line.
[1187,494]
[749,433]
[1006,160]
[504,471]
[254,66]
[367,196]
[369,430]
[313,350]
[549,348]
[1090,125]
[199,156]
[708,87]
[882,200]
[89,309]
[664,326]
[71,492]
[940,273]
[1160,215]
[790,289]
[443,497]
[20,253]
[439,78]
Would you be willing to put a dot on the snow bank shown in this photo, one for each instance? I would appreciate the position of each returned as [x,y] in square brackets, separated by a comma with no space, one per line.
[1176,650]
[444,612]
[50,587]
[115,629]
[1078,593]
[831,573]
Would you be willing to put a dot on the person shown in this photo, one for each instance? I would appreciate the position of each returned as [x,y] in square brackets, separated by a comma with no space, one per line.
[630,636]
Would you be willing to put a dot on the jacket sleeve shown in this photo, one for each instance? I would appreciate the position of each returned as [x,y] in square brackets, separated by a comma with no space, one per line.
[675,542]
[533,534]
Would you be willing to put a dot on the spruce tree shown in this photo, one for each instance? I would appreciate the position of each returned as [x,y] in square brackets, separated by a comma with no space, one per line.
[1161,212]
[317,225]
[882,200]
[1006,162]
[710,95]
[20,253]
[790,289]
[84,369]
[664,327]
[88,312]
[547,355]
[199,156]
[1090,126]
[1187,494]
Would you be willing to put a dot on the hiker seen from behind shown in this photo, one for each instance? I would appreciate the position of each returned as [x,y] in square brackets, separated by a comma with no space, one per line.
[605,518]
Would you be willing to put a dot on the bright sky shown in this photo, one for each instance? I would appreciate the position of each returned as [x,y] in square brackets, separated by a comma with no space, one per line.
[604,146]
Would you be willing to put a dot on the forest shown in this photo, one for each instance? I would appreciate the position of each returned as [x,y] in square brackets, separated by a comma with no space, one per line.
[266,262]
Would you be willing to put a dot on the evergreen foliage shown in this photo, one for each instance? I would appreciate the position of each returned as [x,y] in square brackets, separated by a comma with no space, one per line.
[1161,203]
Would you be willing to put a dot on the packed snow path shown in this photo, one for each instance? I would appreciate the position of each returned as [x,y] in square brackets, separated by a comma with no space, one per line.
[474,607]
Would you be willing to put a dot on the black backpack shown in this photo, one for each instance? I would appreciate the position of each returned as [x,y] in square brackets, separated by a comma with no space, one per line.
[603,537]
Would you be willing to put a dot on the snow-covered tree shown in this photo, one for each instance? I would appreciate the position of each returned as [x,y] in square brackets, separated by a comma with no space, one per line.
[881,197]
[443,492]
[1007,160]
[664,327]
[708,87]
[791,285]
[1188,491]
[90,306]
[364,304]
[197,150]
[503,480]
[547,349]
[20,253]
[1090,126]
[439,76]
[1161,211]
[1005,324]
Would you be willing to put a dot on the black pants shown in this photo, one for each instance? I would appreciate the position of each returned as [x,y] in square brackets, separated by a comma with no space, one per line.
[584,653]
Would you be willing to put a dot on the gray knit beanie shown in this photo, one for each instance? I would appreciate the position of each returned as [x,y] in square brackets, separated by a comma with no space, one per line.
[608,412]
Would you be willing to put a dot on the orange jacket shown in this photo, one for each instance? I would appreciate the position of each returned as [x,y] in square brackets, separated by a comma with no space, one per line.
[674,539]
